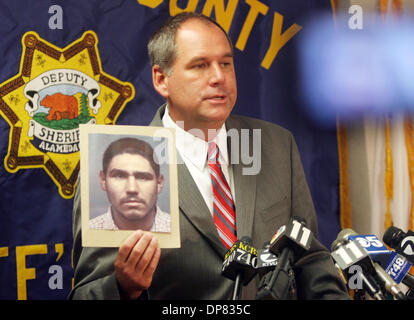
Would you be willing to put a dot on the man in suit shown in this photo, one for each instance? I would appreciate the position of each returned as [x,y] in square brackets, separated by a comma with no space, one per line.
[192,68]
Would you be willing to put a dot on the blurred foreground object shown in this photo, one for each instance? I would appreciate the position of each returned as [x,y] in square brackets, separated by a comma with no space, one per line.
[352,73]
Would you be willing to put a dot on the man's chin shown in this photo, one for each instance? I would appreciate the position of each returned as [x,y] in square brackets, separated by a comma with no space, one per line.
[134,215]
[217,114]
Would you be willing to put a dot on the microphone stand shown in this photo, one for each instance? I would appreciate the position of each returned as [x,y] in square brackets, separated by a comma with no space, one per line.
[280,279]
[410,294]
[237,288]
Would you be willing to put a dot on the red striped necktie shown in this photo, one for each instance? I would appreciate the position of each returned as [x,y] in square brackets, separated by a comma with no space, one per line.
[224,211]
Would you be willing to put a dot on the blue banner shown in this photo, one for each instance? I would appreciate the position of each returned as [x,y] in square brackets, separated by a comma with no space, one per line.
[92,55]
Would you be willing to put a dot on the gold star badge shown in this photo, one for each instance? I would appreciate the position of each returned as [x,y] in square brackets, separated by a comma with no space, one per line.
[55,91]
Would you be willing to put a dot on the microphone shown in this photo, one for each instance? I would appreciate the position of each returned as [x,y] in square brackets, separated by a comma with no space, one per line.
[266,260]
[395,265]
[266,263]
[240,264]
[389,283]
[293,237]
[290,242]
[380,254]
[398,266]
[403,243]
[348,254]
[377,251]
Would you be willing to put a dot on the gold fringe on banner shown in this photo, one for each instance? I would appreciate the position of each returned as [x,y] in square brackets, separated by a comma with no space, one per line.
[334,6]
[397,8]
[383,8]
[389,174]
[341,134]
[409,145]
[345,203]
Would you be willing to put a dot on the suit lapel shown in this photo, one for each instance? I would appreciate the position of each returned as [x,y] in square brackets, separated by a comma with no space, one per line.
[244,185]
[191,201]
[245,189]
[193,206]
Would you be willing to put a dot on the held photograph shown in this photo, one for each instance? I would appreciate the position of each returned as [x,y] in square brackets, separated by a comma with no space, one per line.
[129,182]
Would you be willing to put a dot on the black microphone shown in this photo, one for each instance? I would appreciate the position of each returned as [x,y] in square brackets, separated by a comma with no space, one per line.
[293,237]
[266,260]
[348,254]
[389,283]
[240,264]
[290,242]
[266,263]
[403,243]
[394,237]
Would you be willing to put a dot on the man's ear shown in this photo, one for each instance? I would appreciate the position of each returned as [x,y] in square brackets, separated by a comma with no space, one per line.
[160,183]
[160,80]
[102,180]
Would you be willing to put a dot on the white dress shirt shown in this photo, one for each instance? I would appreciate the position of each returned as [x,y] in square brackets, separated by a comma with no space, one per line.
[193,151]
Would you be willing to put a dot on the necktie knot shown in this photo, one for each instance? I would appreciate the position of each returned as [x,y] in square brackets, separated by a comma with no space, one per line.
[213,153]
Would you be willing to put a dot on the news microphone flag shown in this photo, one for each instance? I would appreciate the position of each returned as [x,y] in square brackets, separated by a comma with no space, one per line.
[295,234]
[374,247]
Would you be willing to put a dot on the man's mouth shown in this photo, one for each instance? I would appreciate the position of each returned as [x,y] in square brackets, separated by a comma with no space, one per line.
[133,201]
[217,98]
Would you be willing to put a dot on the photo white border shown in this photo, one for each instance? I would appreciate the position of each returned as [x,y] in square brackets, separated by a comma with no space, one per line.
[114,238]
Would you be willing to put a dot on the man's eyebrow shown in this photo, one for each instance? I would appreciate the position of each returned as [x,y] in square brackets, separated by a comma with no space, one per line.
[117,171]
[135,173]
[203,58]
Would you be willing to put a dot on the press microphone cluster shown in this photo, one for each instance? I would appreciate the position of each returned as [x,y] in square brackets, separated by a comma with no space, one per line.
[378,269]
[273,263]
[364,262]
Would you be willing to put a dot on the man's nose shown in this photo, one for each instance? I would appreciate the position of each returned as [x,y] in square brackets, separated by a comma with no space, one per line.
[132,185]
[216,74]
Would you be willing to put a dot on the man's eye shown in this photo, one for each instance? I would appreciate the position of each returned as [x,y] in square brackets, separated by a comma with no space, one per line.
[200,66]
[144,176]
[118,175]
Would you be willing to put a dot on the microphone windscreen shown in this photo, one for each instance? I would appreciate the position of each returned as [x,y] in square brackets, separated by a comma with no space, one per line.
[345,233]
[392,236]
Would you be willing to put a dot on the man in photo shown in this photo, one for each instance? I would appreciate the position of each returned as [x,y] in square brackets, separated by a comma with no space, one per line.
[131,178]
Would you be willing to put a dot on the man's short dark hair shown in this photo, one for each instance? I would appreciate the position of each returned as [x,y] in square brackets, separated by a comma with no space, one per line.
[162,47]
[130,146]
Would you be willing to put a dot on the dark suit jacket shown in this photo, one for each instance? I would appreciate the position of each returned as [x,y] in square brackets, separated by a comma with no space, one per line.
[264,202]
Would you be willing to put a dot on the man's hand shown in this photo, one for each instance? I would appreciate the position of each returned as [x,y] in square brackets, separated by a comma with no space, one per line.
[136,263]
